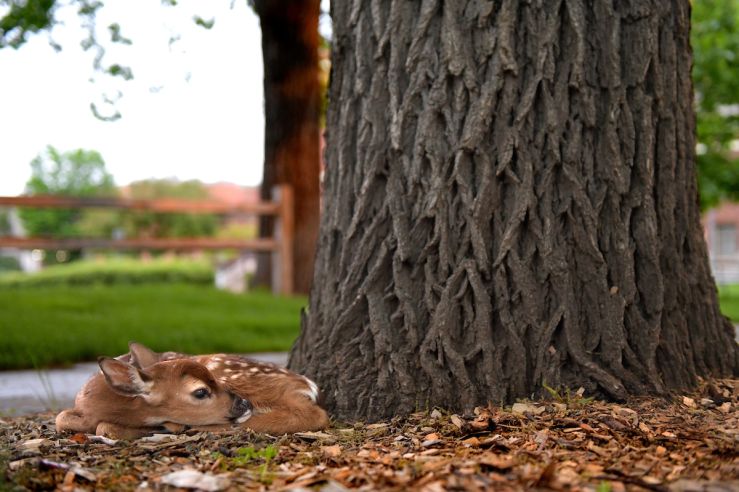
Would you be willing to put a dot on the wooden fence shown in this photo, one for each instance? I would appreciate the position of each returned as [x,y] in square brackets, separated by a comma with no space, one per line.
[281,245]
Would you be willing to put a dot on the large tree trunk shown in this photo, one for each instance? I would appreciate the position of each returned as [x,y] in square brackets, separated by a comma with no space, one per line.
[510,201]
[292,98]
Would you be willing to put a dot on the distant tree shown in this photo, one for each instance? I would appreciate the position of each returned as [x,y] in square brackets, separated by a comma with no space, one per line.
[78,173]
[292,108]
[152,224]
[716,78]
[22,18]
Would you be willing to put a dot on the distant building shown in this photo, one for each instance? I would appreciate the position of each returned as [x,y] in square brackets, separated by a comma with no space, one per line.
[235,195]
[722,237]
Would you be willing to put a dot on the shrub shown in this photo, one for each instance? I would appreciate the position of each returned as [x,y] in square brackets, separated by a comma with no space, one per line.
[114,271]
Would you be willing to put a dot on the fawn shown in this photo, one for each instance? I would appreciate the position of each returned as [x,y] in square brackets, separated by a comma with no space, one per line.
[144,391]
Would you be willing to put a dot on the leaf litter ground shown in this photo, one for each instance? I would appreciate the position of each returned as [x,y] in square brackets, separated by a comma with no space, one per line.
[686,443]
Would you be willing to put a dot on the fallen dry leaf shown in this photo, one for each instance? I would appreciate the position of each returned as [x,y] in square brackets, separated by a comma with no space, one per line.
[314,436]
[73,470]
[331,451]
[472,442]
[79,438]
[34,445]
[457,421]
[496,461]
[524,408]
[158,438]
[193,479]
[102,439]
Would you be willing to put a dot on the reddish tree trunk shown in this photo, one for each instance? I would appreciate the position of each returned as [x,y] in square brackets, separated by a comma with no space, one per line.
[290,43]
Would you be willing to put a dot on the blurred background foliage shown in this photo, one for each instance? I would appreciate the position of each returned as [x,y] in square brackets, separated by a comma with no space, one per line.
[715,40]
[82,173]
[150,224]
[115,270]
[78,173]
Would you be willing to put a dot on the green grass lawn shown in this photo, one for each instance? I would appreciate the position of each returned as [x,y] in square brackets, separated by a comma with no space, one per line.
[729,301]
[47,325]
[80,311]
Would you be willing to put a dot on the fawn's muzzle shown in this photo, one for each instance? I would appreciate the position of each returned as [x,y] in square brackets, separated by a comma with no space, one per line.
[241,409]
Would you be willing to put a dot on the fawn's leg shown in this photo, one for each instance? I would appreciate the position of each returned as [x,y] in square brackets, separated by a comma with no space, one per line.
[286,420]
[117,431]
[177,428]
[72,420]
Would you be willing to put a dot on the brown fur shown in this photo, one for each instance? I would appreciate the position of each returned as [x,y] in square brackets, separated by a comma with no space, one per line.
[279,397]
[121,395]
[283,402]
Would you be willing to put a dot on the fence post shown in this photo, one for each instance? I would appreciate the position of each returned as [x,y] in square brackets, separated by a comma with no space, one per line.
[282,261]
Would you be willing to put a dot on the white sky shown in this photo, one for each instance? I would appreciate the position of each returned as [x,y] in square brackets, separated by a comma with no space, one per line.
[208,128]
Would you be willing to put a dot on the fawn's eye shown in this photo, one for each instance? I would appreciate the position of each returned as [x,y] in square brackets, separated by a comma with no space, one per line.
[201,393]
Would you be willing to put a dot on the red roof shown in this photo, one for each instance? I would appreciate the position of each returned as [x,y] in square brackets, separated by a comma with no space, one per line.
[726,212]
[233,194]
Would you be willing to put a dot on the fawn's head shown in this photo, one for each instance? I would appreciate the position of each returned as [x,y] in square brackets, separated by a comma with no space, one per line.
[180,391]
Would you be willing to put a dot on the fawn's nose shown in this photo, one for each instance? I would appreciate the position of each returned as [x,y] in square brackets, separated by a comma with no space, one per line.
[241,409]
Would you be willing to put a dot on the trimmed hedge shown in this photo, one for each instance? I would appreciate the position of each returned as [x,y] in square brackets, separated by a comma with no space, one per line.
[115,272]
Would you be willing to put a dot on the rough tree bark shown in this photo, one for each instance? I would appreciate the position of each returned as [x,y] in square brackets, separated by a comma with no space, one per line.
[510,200]
[292,98]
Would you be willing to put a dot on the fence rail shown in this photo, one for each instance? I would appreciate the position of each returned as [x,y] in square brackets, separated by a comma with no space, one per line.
[281,246]
[189,243]
[162,205]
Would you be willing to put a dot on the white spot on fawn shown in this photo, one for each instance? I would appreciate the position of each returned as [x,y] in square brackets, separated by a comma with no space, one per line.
[312,393]
[244,417]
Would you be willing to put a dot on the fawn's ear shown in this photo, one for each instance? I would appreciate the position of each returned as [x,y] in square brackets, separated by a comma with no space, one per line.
[124,378]
[142,356]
